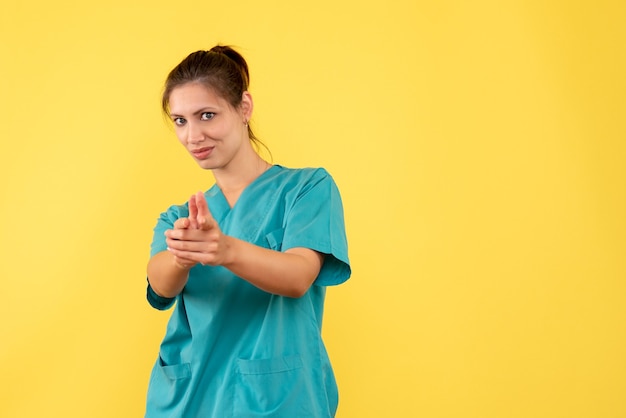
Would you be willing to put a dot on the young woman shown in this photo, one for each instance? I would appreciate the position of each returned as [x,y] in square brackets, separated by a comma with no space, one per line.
[245,263]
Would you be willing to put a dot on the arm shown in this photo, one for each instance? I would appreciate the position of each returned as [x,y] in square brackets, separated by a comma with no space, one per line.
[167,277]
[167,273]
[288,274]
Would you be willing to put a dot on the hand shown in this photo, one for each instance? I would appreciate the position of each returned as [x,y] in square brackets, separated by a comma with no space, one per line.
[183,263]
[199,238]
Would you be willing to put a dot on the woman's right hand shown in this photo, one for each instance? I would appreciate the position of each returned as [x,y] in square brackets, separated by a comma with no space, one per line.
[198,239]
[183,224]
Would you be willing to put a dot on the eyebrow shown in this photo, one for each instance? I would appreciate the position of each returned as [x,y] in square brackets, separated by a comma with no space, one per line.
[197,112]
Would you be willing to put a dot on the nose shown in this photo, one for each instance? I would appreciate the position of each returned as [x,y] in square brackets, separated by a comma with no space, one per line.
[194,133]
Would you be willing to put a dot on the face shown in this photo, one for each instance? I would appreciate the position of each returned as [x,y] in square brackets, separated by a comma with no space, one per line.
[209,128]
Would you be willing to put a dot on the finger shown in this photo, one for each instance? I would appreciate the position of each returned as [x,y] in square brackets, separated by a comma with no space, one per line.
[203,207]
[205,217]
[186,234]
[193,257]
[190,246]
[174,242]
[193,211]
[182,223]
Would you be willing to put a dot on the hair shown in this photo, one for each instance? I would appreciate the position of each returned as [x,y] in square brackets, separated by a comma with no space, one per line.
[221,68]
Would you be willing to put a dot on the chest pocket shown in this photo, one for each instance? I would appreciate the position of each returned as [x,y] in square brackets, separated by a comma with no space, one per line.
[275,239]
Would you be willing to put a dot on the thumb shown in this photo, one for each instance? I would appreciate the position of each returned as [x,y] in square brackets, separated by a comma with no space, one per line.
[182,223]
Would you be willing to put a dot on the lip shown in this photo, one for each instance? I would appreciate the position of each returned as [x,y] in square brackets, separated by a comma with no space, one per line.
[202,153]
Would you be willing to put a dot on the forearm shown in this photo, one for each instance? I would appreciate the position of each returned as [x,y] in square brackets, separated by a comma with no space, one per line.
[288,274]
[166,277]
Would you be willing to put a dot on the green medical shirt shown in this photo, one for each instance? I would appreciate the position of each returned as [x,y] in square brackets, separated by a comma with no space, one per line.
[233,350]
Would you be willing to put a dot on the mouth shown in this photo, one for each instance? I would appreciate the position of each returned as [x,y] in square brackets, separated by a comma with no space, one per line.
[202,153]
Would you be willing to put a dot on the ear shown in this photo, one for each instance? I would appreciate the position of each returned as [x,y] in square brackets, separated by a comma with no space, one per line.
[246,105]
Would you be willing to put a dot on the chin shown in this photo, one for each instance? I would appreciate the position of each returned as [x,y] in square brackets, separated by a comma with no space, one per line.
[207,165]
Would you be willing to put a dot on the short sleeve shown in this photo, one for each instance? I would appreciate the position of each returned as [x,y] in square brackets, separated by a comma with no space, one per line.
[158,302]
[316,221]
[165,222]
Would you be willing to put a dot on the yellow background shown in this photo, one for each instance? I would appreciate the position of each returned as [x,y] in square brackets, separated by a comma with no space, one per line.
[479,147]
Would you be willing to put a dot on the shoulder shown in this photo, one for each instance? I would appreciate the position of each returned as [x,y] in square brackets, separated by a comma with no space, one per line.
[301,176]
[176,211]
[166,219]
[294,184]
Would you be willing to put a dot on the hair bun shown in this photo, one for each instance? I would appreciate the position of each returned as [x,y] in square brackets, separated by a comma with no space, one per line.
[236,57]
[220,49]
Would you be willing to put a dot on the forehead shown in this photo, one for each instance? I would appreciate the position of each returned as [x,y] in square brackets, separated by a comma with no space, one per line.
[192,96]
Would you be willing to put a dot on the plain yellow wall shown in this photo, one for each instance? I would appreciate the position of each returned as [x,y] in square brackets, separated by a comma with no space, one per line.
[479,147]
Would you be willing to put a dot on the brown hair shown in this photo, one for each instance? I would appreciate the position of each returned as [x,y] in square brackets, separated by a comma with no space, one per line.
[221,68]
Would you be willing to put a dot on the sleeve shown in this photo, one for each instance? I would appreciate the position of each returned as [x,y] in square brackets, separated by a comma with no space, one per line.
[158,302]
[165,222]
[316,221]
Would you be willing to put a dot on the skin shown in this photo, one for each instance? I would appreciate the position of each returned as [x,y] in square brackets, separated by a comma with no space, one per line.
[216,136]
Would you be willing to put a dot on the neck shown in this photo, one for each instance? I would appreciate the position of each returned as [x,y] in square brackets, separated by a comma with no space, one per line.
[233,181]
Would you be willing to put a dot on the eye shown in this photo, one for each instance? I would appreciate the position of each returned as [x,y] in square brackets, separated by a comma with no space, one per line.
[179,121]
[207,116]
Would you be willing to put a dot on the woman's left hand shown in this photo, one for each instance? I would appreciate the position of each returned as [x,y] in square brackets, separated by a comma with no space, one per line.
[203,241]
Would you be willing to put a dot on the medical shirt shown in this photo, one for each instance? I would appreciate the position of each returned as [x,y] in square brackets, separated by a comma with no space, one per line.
[233,350]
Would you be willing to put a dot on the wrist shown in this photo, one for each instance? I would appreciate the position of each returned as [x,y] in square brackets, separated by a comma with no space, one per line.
[230,255]
[182,266]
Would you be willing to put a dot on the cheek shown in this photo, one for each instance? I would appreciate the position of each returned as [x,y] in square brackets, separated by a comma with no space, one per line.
[217,131]
[180,135]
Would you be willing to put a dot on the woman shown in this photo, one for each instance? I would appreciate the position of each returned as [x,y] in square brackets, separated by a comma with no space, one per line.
[246,262]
